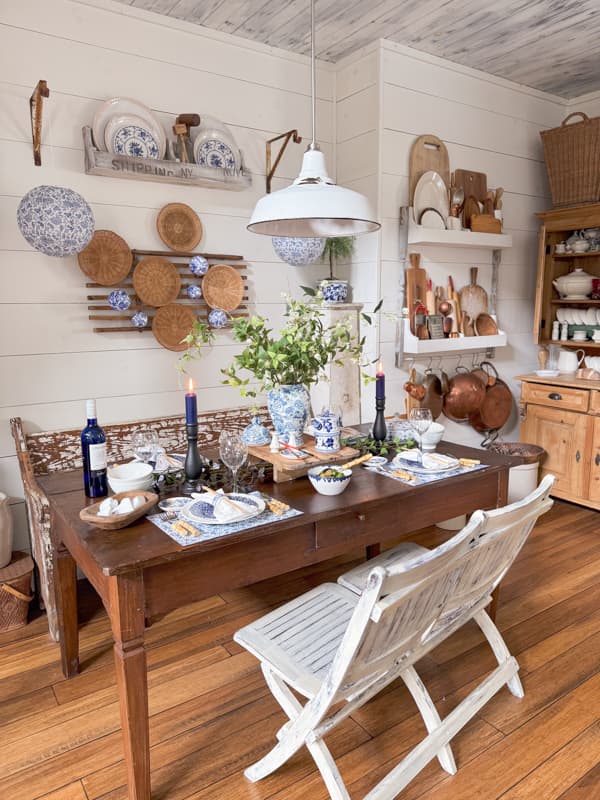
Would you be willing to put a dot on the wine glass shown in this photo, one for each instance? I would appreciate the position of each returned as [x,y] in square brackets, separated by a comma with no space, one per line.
[145,445]
[233,451]
[420,420]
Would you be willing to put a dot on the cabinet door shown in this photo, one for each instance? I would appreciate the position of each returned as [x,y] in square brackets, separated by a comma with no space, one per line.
[564,437]
[594,489]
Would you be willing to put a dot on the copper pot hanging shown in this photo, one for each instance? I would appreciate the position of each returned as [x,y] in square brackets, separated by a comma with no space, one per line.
[496,406]
[465,394]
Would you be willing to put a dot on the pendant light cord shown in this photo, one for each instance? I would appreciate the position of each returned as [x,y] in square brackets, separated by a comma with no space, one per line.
[313,74]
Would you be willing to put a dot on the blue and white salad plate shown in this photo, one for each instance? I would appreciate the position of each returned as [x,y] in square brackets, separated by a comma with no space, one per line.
[128,135]
[127,109]
[202,511]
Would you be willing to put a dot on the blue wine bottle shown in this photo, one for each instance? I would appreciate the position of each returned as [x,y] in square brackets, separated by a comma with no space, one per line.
[93,448]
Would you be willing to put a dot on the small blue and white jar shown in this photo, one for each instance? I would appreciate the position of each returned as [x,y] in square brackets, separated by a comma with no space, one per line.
[327,443]
[298,251]
[119,300]
[194,292]
[217,318]
[334,291]
[139,319]
[198,266]
[256,433]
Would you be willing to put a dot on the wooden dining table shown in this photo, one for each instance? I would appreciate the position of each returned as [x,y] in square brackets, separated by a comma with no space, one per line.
[140,572]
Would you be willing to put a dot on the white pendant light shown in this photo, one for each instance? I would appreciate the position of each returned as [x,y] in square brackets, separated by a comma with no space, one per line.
[313,206]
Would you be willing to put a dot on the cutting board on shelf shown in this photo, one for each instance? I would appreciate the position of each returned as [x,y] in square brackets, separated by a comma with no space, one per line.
[473,298]
[287,468]
[474,184]
[427,153]
[416,286]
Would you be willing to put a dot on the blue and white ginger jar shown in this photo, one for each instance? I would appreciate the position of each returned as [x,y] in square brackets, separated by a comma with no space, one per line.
[298,251]
[139,319]
[119,300]
[55,220]
[334,291]
[256,433]
[289,407]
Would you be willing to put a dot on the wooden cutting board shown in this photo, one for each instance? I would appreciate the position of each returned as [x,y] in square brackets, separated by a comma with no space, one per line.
[473,298]
[416,286]
[288,468]
[427,153]
[474,184]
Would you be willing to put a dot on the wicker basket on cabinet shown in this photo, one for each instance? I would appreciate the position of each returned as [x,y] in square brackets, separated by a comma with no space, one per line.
[572,155]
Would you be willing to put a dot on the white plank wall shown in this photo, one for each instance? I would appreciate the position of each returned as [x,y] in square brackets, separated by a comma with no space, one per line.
[488,125]
[50,360]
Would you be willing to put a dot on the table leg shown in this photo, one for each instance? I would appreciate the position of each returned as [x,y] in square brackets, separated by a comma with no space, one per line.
[66,600]
[372,550]
[127,620]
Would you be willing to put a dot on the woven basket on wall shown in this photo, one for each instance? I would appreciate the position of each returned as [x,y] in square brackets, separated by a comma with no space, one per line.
[15,591]
[572,155]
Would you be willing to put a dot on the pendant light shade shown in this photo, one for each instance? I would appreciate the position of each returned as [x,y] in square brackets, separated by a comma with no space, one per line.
[313,206]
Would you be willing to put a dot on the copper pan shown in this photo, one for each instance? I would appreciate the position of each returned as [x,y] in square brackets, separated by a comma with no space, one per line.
[465,394]
[495,409]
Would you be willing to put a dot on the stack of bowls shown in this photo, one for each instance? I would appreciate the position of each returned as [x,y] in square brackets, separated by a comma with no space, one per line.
[130,477]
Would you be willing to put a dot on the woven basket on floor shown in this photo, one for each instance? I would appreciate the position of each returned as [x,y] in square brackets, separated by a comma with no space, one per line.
[572,155]
[15,591]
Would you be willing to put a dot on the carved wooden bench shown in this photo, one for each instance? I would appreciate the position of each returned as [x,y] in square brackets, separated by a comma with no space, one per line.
[50,451]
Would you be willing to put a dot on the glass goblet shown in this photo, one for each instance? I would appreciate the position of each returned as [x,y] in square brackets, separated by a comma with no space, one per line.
[145,445]
[233,451]
[420,420]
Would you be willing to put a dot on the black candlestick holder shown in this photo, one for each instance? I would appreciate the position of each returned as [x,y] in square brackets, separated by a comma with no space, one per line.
[194,463]
[379,426]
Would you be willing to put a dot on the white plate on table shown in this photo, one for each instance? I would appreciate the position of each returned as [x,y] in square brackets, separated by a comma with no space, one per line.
[201,511]
[431,192]
[126,105]
[432,462]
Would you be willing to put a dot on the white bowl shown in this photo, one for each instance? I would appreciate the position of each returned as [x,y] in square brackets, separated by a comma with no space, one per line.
[329,486]
[127,477]
[432,436]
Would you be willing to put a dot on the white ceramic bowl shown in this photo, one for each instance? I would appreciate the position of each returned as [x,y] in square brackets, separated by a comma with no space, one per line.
[329,486]
[432,436]
[127,477]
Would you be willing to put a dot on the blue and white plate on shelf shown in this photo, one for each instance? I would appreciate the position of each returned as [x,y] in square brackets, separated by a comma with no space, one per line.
[126,108]
[215,153]
[128,135]
[217,318]
[119,300]
[198,266]
[298,251]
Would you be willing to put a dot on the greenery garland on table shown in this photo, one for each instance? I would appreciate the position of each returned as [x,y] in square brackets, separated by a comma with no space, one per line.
[366,444]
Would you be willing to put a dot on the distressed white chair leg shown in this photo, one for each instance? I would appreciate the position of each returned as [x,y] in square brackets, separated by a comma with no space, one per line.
[429,713]
[501,651]
[316,746]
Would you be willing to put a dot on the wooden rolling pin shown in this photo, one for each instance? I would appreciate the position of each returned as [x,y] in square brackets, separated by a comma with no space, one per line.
[355,461]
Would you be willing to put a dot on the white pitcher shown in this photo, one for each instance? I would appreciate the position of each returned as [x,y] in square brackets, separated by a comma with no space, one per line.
[6,531]
[569,360]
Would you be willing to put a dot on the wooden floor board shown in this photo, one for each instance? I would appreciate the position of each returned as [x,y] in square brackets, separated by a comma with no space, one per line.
[212,715]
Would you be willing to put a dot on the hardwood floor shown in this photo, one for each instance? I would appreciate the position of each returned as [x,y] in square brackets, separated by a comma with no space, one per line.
[211,714]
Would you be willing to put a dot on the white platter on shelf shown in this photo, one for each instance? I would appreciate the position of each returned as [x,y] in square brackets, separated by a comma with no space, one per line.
[431,193]
[417,234]
[412,345]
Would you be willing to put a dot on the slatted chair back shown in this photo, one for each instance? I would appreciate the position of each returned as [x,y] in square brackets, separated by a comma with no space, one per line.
[404,606]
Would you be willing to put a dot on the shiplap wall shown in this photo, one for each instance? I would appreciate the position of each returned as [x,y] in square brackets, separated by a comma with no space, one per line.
[488,125]
[50,360]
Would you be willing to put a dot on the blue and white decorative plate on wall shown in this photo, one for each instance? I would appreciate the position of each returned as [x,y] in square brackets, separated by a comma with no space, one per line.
[214,153]
[55,220]
[128,136]
[298,251]
[119,300]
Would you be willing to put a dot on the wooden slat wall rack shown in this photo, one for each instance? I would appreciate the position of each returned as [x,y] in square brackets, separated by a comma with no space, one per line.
[102,312]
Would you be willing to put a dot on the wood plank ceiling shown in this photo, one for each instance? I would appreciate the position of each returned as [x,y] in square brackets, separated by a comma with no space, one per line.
[552,45]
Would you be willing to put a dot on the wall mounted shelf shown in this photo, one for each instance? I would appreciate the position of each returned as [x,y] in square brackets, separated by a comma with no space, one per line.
[414,346]
[417,234]
[109,165]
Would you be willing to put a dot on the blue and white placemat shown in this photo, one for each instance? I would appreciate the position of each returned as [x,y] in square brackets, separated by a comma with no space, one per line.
[419,479]
[207,532]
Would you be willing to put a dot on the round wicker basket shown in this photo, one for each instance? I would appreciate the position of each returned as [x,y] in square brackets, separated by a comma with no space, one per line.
[15,591]
[156,281]
[107,259]
[171,324]
[179,227]
[223,287]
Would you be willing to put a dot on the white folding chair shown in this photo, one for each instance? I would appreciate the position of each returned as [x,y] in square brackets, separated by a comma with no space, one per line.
[339,648]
